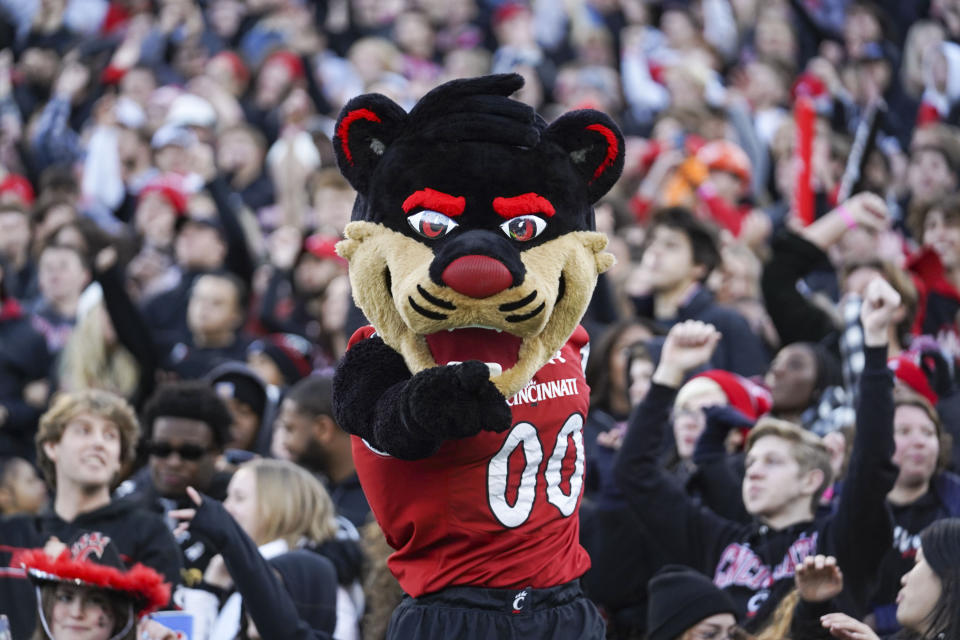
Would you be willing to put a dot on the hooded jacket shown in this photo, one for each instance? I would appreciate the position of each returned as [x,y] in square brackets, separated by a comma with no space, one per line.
[196,550]
[271,401]
[139,536]
[753,562]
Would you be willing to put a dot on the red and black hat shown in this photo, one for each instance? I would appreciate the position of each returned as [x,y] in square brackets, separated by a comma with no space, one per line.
[291,353]
[92,560]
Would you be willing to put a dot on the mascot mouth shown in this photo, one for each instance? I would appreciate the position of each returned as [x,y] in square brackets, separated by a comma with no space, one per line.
[475,343]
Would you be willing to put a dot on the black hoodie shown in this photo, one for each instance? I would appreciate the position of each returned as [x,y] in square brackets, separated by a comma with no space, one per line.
[270,396]
[196,551]
[752,562]
[140,536]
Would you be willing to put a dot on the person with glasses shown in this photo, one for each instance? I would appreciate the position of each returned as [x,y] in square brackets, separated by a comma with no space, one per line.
[187,426]
[84,442]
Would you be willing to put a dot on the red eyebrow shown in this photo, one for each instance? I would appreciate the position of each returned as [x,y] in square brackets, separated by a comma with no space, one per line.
[522,205]
[436,200]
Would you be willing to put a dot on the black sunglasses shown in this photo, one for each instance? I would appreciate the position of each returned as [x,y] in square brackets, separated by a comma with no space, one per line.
[187,451]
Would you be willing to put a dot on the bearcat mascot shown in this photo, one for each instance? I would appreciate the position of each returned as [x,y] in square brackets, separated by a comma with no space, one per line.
[472,253]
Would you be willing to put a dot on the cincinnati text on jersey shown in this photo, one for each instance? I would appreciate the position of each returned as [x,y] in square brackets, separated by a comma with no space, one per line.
[536,392]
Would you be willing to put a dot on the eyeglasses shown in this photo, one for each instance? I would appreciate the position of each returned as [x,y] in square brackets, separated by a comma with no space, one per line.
[186,451]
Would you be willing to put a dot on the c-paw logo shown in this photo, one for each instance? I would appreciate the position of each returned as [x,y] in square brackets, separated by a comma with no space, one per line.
[519,601]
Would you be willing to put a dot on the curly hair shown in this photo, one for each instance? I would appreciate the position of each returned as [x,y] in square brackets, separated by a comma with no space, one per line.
[191,400]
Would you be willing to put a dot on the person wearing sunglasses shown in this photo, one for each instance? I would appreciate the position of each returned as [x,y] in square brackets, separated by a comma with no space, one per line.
[187,426]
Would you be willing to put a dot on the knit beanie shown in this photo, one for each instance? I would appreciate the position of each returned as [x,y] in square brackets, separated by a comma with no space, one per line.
[941,546]
[679,598]
[905,369]
[290,352]
[748,397]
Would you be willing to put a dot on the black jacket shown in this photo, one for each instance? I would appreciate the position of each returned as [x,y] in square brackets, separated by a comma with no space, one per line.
[752,562]
[23,358]
[140,536]
[17,599]
[196,550]
[794,316]
[740,349]
[264,598]
[941,501]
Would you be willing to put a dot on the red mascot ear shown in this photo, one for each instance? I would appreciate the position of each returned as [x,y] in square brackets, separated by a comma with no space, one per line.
[595,146]
[366,127]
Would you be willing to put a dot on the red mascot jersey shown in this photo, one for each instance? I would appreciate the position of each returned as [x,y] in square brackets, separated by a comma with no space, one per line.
[496,510]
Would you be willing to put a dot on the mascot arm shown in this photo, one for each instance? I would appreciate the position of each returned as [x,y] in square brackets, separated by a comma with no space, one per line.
[409,417]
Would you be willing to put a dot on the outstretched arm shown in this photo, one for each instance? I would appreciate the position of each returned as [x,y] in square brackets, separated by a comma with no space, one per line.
[265,598]
[662,503]
[862,530]
[375,397]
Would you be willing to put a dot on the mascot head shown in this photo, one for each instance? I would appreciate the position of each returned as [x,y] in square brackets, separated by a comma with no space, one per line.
[472,233]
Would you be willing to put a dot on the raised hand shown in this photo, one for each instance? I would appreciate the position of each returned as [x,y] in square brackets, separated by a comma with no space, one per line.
[285,244]
[72,79]
[818,578]
[688,345]
[880,302]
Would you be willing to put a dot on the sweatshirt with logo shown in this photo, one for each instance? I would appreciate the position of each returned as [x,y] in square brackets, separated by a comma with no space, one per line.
[753,562]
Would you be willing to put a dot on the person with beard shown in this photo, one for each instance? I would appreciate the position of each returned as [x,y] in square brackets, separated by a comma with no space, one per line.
[187,426]
[310,436]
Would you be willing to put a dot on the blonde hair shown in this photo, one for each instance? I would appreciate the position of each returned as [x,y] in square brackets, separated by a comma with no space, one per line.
[805,447]
[291,503]
[89,363]
[67,406]
[782,618]
[694,388]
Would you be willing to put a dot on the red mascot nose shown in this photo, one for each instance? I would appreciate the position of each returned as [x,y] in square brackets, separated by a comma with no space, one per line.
[477,276]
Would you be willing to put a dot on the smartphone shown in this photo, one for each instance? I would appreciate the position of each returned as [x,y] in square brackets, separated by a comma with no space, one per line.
[176,621]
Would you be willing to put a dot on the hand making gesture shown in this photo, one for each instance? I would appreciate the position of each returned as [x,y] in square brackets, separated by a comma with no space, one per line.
[689,344]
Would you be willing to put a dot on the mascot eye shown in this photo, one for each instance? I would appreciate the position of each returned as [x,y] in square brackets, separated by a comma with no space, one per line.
[523,228]
[431,224]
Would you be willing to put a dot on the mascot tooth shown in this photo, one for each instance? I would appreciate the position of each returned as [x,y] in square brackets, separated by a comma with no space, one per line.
[473,254]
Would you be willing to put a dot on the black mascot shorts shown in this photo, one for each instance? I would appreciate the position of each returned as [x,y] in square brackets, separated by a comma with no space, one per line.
[471,613]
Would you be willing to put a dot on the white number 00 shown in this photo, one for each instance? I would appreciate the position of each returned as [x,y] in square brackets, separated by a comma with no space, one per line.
[525,434]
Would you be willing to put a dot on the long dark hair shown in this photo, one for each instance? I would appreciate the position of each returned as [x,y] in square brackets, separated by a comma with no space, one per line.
[598,364]
[940,543]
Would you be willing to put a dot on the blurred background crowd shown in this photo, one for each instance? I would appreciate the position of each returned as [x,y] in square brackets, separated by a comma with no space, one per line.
[169,206]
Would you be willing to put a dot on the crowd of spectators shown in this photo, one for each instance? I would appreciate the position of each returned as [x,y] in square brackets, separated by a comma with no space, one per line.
[172,306]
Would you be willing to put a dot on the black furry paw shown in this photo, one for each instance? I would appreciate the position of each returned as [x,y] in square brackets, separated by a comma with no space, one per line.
[455,401]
